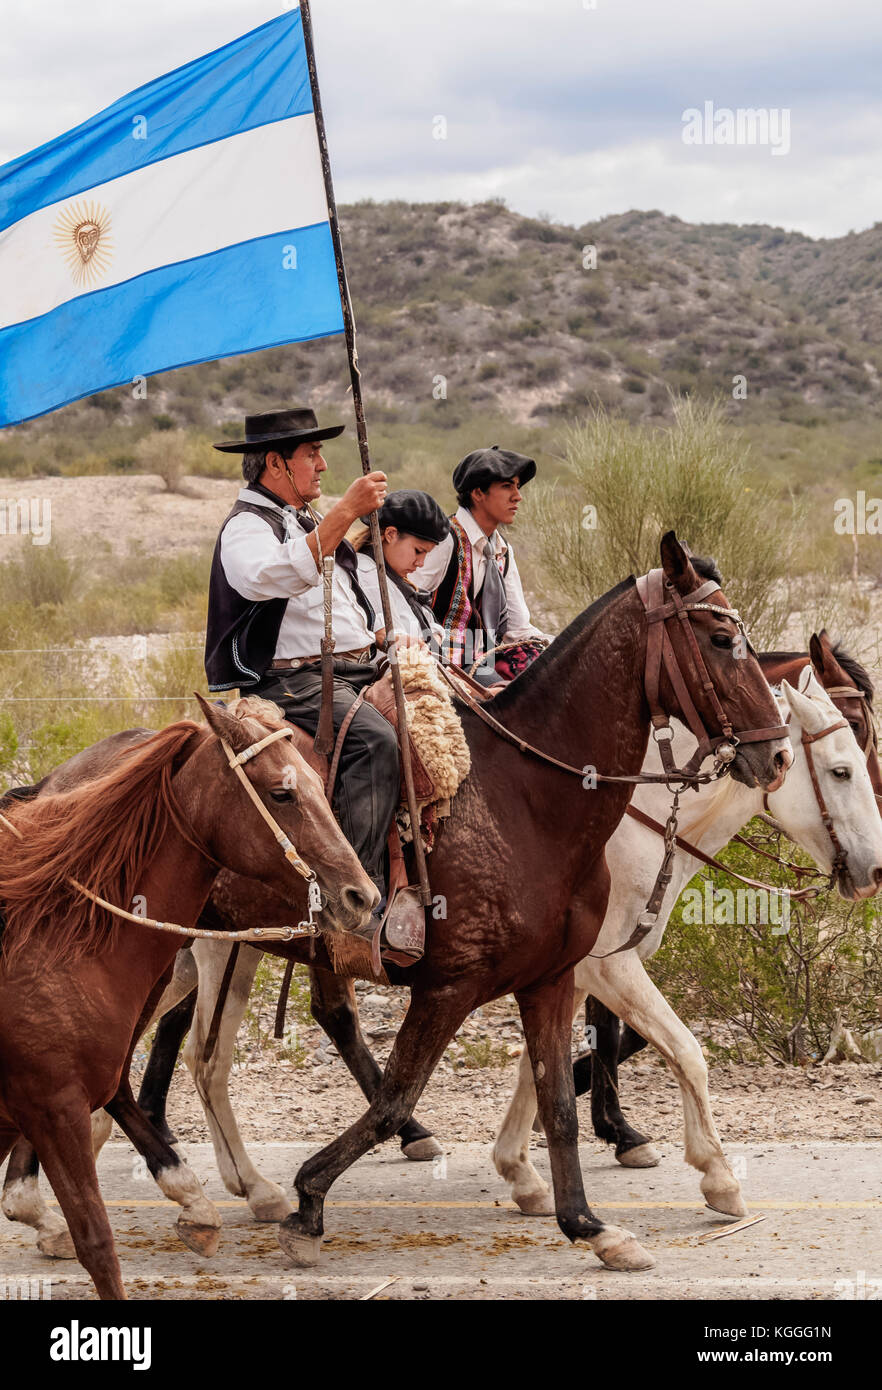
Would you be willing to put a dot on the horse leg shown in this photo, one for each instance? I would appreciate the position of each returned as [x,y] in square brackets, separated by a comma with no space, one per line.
[333,1006]
[632,1149]
[62,1139]
[199,1222]
[431,1021]
[171,1030]
[546,1013]
[266,1199]
[624,986]
[511,1151]
[631,1042]
[23,1201]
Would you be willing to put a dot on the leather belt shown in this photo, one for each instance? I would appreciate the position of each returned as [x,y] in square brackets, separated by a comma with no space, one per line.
[363,654]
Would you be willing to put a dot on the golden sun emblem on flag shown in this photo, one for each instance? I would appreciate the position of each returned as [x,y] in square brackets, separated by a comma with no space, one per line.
[82,234]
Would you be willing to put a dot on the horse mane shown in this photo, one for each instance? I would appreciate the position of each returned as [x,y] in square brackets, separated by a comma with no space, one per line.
[547,659]
[103,832]
[706,567]
[850,665]
[858,673]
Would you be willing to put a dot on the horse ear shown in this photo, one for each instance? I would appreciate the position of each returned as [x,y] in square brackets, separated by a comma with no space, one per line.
[821,652]
[804,708]
[676,563]
[222,723]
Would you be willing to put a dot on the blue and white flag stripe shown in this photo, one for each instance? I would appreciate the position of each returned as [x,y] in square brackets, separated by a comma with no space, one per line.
[186,222]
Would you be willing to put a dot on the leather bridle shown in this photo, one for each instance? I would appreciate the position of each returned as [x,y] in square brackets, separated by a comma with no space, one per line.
[254,934]
[840,855]
[662,603]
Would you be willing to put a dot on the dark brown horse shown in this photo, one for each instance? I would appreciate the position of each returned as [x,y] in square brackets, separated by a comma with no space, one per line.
[521,869]
[75,982]
[851,691]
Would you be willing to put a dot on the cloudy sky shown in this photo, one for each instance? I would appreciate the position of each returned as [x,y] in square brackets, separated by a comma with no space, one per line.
[570,107]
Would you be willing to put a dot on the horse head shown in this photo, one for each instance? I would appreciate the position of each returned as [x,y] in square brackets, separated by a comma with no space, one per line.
[292,793]
[715,684]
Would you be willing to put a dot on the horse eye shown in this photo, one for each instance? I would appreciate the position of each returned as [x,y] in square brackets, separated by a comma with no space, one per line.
[842,774]
[282,794]
[722,640]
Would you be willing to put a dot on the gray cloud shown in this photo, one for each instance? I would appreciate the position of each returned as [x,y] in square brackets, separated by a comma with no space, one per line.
[549,104]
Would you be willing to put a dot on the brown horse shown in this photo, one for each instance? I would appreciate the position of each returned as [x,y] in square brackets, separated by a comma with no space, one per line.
[75,983]
[521,870]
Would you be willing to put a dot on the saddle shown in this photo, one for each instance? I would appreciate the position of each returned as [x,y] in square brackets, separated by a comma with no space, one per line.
[439,758]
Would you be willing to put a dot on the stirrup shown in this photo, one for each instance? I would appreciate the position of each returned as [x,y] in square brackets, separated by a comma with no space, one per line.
[400,934]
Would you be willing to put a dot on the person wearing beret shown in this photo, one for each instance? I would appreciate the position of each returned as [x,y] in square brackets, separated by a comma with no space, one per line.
[411,526]
[478,595]
[265,614]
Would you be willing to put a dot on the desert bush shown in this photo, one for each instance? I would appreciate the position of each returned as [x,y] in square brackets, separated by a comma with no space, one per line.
[775,996]
[644,479]
[171,453]
[41,574]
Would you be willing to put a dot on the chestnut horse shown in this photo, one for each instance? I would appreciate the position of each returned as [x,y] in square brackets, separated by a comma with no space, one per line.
[75,983]
[851,690]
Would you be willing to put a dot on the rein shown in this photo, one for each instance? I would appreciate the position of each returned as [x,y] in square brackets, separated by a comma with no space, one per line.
[253,934]
[840,855]
[660,652]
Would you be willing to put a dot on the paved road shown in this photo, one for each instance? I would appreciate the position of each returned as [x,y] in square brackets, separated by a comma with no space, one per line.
[453,1234]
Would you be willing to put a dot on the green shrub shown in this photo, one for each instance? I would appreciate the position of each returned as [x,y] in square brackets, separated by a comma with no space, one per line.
[643,479]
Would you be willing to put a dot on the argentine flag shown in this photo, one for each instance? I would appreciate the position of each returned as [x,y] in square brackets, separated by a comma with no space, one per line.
[188,221]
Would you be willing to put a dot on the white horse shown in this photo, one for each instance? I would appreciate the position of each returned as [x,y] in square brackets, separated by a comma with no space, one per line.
[709,819]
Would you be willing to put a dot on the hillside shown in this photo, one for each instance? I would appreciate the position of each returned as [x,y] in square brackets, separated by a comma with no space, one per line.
[502,307]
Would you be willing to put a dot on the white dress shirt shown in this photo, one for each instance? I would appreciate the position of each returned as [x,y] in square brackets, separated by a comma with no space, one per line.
[403,616]
[260,567]
[435,567]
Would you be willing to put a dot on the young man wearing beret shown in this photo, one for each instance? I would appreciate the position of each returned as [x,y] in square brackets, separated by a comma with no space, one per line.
[478,594]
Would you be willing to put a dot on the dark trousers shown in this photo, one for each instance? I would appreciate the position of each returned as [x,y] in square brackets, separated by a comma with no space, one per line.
[367,789]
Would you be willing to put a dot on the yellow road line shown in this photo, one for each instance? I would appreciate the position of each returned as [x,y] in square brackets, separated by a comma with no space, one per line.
[509,1206]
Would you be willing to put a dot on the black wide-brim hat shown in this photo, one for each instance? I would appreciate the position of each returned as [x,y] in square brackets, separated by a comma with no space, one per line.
[280,427]
[415,513]
[494,465]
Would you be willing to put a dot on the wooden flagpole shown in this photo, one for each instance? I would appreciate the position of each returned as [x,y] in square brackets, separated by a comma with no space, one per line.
[361,433]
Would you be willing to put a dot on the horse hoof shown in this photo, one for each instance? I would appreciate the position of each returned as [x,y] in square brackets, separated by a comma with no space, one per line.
[203,1240]
[303,1251]
[271,1208]
[726,1203]
[643,1156]
[618,1249]
[535,1203]
[58,1245]
[422,1150]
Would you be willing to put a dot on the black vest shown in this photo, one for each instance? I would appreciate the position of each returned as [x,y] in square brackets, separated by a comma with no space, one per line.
[241,634]
[444,592]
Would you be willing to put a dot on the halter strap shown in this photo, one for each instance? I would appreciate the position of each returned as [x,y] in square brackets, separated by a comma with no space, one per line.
[660,652]
[235,761]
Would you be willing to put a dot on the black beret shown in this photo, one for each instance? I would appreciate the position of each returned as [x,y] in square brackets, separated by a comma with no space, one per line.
[494,465]
[414,512]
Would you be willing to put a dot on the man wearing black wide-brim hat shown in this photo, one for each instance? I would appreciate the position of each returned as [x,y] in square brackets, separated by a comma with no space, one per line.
[478,594]
[265,611]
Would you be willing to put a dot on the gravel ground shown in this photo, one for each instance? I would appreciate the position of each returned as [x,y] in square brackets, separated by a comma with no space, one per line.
[314,1098]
